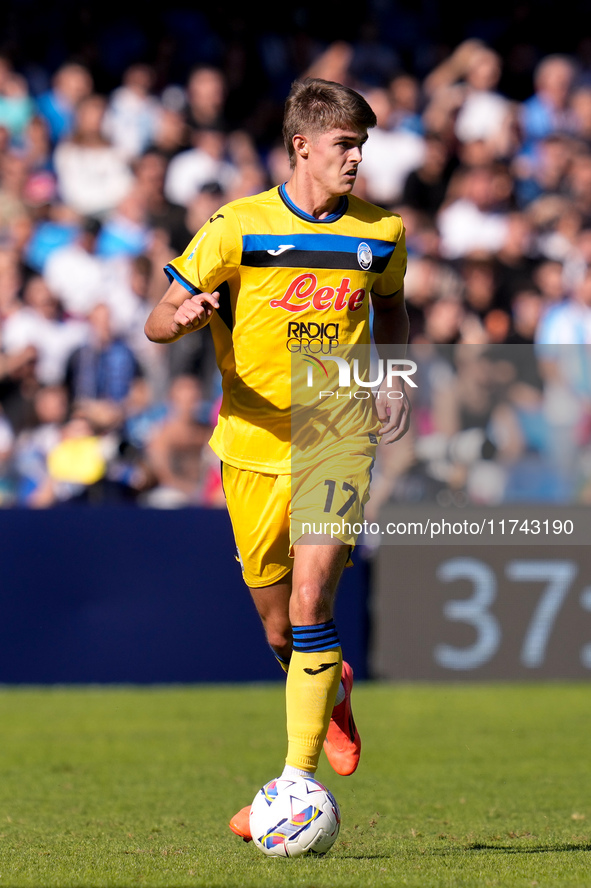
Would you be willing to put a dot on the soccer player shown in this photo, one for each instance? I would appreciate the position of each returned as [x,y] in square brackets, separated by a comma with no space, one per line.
[273,274]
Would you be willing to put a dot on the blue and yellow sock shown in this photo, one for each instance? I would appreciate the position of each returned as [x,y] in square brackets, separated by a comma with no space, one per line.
[312,683]
[282,661]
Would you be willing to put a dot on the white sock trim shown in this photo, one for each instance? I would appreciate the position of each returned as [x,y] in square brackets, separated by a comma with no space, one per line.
[290,772]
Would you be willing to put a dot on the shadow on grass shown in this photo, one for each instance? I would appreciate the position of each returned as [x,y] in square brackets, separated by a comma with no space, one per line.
[556,848]
[351,855]
[456,849]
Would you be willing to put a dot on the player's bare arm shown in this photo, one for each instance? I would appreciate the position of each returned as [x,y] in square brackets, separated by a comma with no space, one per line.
[390,328]
[178,313]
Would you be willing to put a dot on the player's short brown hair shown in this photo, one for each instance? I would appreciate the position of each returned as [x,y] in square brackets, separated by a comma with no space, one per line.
[315,106]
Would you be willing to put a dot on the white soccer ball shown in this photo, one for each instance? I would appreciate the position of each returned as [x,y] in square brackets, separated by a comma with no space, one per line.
[291,817]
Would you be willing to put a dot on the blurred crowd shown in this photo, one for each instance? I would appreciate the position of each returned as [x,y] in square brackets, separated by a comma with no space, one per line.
[100,188]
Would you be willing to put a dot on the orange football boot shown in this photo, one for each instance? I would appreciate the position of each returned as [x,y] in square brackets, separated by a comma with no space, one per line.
[240,824]
[343,743]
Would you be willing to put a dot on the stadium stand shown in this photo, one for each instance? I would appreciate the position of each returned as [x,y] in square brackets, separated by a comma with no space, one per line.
[119,135]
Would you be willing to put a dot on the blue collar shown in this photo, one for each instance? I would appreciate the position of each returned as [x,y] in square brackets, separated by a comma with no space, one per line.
[340,210]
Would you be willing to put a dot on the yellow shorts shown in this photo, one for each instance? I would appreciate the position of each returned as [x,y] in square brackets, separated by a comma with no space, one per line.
[269,513]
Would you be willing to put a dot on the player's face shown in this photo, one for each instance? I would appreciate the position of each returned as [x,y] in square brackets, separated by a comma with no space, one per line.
[334,157]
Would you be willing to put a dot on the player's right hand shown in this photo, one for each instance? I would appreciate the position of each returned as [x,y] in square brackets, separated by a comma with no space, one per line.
[195,312]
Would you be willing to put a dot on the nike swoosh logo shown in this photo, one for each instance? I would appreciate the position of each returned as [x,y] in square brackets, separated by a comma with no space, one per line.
[322,668]
[282,248]
[219,216]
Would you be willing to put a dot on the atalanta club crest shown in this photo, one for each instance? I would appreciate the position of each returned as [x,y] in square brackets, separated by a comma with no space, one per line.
[364,256]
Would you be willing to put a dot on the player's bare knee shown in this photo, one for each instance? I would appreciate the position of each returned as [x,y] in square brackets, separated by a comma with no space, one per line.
[310,603]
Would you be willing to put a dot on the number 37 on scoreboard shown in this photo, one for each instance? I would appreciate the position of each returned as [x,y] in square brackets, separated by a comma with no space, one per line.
[489,616]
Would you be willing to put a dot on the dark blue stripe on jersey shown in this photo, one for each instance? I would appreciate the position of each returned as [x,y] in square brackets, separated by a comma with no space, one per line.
[333,243]
[173,275]
[313,251]
[312,639]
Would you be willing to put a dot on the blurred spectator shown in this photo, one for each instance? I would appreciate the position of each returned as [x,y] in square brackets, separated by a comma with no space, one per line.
[277,162]
[514,261]
[422,234]
[92,175]
[478,277]
[77,465]
[333,63]
[444,321]
[19,224]
[40,323]
[54,224]
[548,110]
[578,182]
[562,340]
[13,178]
[7,482]
[125,231]
[57,106]
[144,412]
[568,322]
[172,133]
[205,162]
[484,114]
[206,95]
[444,89]
[251,175]
[37,148]
[130,308]
[95,268]
[543,172]
[76,273]
[557,227]
[150,171]
[18,386]
[11,281]
[132,112]
[470,219]
[203,206]
[425,187]
[549,279]
[33,444]
[389,154]
[16,104]
[580,104]
[584,246]
[526,311]
[405,100]
[444,77]
[427,281]
[186,471]
[103,367]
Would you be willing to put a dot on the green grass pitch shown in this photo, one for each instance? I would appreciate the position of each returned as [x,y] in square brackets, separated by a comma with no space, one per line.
[459,785]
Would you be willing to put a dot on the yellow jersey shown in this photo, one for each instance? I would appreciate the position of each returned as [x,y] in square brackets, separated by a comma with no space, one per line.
[289,284]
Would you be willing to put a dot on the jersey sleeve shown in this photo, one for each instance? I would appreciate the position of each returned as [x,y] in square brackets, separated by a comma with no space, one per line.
[392,278]
[212,255]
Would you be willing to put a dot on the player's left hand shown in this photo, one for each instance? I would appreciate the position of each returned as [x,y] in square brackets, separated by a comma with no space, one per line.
[393,411]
